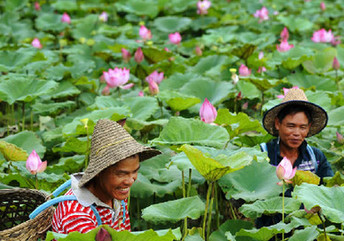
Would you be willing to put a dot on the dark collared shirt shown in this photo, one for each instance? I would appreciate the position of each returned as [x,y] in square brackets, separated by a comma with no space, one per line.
[303,162]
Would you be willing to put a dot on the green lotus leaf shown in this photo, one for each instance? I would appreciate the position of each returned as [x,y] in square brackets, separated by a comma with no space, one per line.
[149,168]
[114,113]
[256,181]
[245,51]
[178,80]
[308,81]
[336,116]
[73,145]
[179,131]
[305,176]
[265,233]
[23,88]
[174,211]
[15,5]
[71,164]
[52,108]
[143,187]
[321,62]
[269,206]
[115,235]
[50,22]
[65,5]
[140,8]
[145,126]
[85,27]
[294,23]
[202,23]
[12,152]
[230,227]
[328,198]
[142,108]
[208,63]
[216,92]
[171,24]
[14,60]
[27,140]
[263,84]
[237,124]
[214,168]
[178,101]
[154,55]
[292,58]
[337,179]
[248,90]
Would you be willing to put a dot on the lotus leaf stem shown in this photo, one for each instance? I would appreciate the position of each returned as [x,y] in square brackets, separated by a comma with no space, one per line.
[206,208]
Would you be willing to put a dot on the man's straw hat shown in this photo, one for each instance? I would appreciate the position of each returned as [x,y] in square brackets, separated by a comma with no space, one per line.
[111,144]
[296,96]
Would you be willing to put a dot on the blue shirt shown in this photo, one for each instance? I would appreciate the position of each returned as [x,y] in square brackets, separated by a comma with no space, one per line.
[303,161]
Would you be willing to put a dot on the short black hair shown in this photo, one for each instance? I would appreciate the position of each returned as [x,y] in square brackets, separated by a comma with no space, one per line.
[293,109]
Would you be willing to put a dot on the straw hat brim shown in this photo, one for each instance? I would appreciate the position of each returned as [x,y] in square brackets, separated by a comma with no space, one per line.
[319,116]
[110,144]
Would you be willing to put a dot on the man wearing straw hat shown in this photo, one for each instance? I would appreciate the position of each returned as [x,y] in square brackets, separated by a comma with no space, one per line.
[102,191]
[291,122]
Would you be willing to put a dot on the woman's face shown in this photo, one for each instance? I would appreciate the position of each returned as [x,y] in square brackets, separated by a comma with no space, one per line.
[116,180]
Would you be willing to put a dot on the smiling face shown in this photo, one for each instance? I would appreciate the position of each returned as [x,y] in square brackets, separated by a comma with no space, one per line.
[116,180]
[293,129]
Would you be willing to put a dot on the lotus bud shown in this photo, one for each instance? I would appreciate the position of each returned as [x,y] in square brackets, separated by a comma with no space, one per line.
[340,138]
[153,87]
[138,56]
[103,235]
[65,18]
[335,64]
[34,164]
[207,112]
[285,171]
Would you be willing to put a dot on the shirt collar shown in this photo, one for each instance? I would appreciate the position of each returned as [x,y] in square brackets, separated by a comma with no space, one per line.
[87,198]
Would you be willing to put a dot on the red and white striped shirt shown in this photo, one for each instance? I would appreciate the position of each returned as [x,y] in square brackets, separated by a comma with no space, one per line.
[72,216]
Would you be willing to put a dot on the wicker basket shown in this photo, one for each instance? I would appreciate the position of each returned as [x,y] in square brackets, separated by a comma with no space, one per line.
[15,206]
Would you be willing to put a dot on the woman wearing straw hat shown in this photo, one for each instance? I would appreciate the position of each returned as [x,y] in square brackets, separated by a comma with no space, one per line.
[101,192]
[291,122]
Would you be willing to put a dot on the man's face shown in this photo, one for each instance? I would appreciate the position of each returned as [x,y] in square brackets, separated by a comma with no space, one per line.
[293,129]
[116,180]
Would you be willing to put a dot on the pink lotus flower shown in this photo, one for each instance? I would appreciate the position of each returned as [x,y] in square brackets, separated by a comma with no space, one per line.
[202,7]
[141,93]
[138,56]
[335,41]
[117,77]
[34,164]
[37,6]
[284,34]
[155,76]
[103,17]
[65,18]
[285,171]
[335,64]
[153,87]
[145,33]
[175,38]
[285,91]
[125,55]
[207,112]
[36,43]
[322,6]
[284,46]
[262,14]
[323,36]
[244,71]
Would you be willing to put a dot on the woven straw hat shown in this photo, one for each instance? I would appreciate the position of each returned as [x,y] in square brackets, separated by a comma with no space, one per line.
[111,144]
[296,96]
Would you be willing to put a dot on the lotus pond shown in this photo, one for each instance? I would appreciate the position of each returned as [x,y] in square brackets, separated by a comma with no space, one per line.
[64,64]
